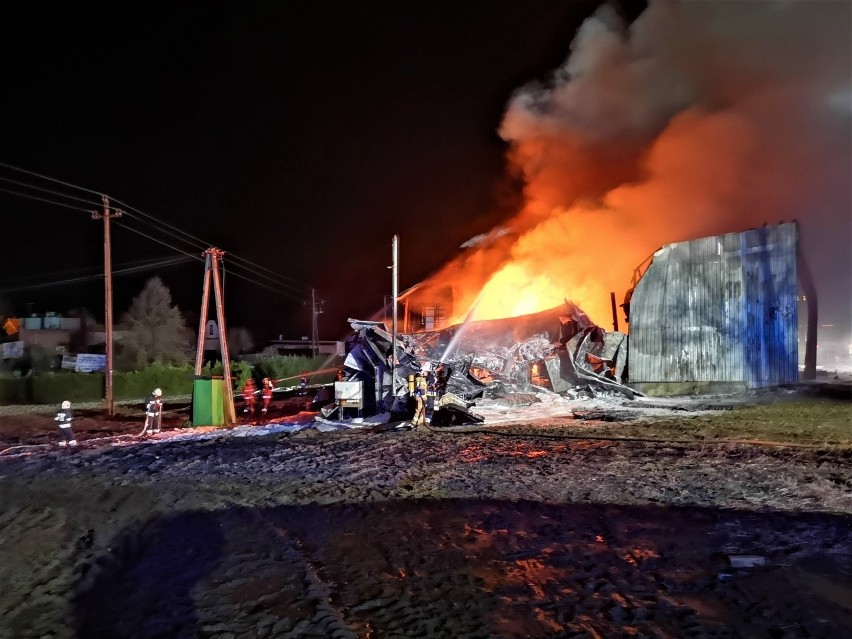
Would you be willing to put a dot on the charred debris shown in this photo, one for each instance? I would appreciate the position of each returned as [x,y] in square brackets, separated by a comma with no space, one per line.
[560,351]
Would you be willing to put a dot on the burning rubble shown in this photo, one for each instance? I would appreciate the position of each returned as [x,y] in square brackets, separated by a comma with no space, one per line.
[559,350]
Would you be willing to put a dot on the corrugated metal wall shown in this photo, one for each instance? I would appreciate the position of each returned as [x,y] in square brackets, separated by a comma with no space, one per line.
[718,309]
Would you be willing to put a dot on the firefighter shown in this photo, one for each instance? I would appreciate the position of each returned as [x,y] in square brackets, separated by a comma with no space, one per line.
[154,411]
[429,374]
[63,416]
[303,383]
[248,396]
[421,390]
[266,393]
[442,378]
[339,374]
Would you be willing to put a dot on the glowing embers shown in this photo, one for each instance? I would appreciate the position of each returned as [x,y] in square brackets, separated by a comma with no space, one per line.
[482,374]
[539,376]
[475,452]
[601,366]
[557,350]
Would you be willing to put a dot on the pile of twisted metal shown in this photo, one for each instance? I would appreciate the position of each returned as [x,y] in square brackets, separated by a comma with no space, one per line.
[559,350]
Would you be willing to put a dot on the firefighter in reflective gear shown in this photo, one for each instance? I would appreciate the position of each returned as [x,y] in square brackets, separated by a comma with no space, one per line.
[266,393]
[248,396]
[430,388]
[154,411]
[421,390]
[63,416]
[442,378]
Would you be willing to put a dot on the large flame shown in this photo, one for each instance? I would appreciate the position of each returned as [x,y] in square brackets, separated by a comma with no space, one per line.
[554,261]
[687,124]
[514,291]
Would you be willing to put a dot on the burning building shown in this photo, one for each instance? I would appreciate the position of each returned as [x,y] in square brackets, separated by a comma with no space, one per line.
[712,314]
[697,120]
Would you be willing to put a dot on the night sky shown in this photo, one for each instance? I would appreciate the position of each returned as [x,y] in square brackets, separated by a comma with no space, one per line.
[300,138]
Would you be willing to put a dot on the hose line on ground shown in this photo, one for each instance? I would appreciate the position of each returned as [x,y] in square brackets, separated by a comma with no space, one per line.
[647,440]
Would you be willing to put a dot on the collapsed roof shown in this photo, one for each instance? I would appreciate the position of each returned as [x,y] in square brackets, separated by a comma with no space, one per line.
[559,350]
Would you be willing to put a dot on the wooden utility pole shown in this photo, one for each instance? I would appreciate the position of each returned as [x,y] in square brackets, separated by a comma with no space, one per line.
[314,322]
[395,294]
[614,312]
[809,291]
[211,265]
[106,216]
[316,309]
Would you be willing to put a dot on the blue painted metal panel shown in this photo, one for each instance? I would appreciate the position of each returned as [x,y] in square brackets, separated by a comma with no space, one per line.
[719,309]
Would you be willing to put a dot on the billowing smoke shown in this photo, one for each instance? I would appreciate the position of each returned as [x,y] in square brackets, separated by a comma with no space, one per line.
[699,118]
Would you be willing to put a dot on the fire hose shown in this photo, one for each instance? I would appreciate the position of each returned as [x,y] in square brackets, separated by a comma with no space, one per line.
[93,439]
[647,440]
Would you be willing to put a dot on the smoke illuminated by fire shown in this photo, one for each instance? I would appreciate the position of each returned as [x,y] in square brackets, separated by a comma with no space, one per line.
[700,118]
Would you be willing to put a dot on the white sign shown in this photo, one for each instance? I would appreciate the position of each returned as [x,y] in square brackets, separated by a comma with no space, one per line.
[90,363]
[13,350]
[348,391]
[69,362]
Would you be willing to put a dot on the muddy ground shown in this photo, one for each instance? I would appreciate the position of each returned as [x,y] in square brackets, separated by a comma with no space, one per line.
[375,533]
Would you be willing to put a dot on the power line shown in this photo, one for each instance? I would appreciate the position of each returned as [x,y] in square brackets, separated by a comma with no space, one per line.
[130,210]
[252,267]
[49,179]
[154,239]
[86,278]
[199,243]
[236,261]
[97,270]
[41,199]
[51,191]
[256,283]
[200,259]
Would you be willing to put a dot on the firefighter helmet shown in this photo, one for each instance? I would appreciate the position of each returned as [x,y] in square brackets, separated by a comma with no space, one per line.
[158,392]
[66,404]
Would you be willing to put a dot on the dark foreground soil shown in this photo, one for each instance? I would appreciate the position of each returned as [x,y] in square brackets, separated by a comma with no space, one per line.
[419,534]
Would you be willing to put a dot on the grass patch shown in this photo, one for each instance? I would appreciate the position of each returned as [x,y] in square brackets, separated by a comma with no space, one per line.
[808,421]
[797,420]
[817,421]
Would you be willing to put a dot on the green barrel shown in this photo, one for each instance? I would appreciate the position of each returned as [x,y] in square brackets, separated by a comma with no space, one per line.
[208,401]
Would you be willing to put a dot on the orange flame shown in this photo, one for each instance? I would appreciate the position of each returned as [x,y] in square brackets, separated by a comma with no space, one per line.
[685,128]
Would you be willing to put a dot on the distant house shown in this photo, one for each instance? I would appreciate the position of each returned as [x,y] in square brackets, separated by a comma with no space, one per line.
[50,331]
[211,336]
[55,332]
[425,307]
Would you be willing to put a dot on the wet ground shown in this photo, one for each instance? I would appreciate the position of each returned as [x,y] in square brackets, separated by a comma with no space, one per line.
[392,533]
